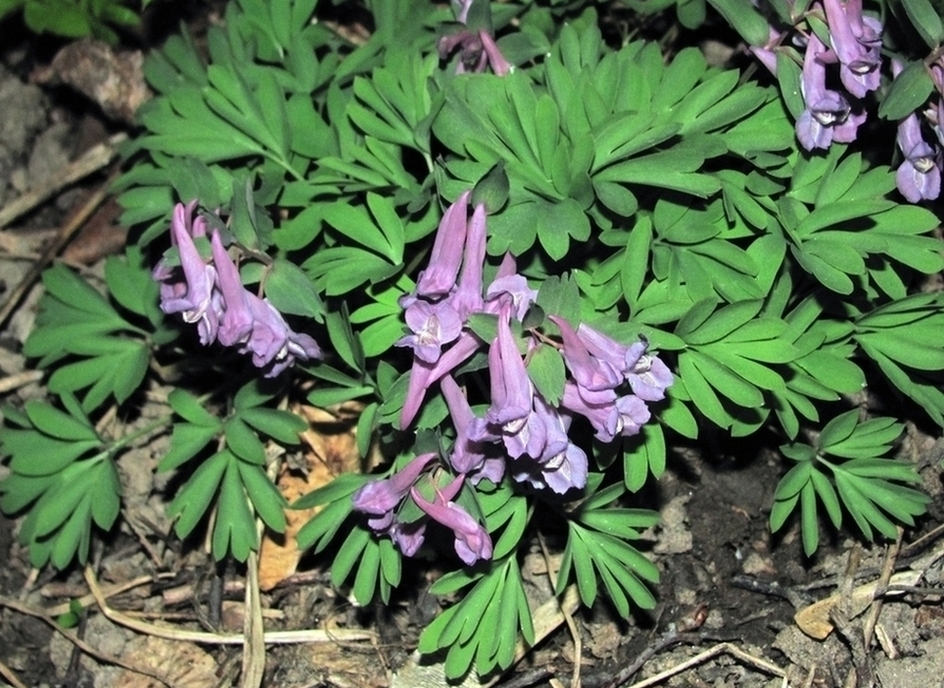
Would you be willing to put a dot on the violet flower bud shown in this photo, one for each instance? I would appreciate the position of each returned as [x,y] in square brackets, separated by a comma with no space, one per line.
[650,378]
[469,452]
[467,297]
[423,374]
[199,277]
[919,176]
[237,321]
[510,385]
[595,377]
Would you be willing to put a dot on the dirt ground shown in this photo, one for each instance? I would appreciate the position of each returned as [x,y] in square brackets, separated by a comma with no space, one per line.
[729,591]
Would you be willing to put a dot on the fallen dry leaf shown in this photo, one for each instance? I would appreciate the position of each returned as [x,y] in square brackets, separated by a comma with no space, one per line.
[332,450]
[184,664]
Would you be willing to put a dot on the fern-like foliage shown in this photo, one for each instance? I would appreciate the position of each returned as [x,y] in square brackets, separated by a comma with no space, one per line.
[844,472]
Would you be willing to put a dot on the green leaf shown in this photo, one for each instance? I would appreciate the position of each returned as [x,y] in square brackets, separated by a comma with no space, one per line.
[908,92]
[343,339]
[194,498]
[292,291]
[838,429]
[234,530]
[243,442]
[283,426]
[63,426]
[190,409]
[643,456]
[547,372]
[186,441]
[926,20]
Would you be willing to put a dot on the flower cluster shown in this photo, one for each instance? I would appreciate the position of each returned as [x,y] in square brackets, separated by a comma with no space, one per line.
[210,294]
[855,44]
[608,383]
[835,115]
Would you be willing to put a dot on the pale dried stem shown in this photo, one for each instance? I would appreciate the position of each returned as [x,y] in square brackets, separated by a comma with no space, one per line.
[11,382]
[723,648]
[269,637]
[568,617]
[11,676]
[78,642]
[93,160]
[67,231]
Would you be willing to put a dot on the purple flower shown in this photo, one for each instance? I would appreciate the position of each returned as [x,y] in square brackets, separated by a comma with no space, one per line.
[919,176]
[472,540]
[408,536]
[380,497]
[856,40]
[439,277]
[433,325]
[236,322]
[271,342]
[766,55]
[650,378]
[470,451]
[467,296]
[511,388]
[633,414]
[515,286]
[563,465]
[191,298]
[567,470]
[602,415]
[621,357]
[826,111]
[212,296]
[423,374]
[595,377]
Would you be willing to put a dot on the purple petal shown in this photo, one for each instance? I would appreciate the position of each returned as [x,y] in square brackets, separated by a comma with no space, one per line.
[439,277]
[237,320]
[380,497]
[510,386]
[472,540]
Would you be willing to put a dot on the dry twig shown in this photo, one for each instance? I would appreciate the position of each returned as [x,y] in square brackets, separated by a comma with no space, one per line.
[269,637]
[91,161]
[723,648]
[887,570]
[78,642]
[67,231]
[568,617]
[11,382]
[107,591]
[11,676]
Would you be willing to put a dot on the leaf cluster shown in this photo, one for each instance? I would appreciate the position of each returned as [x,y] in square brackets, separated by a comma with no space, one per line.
[99,344]
[64,473]
[843,472]
[643,196]
[75,18]
[233,480]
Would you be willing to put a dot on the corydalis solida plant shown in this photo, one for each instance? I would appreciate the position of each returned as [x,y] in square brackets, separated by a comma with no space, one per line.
[647,195]
[521,433]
